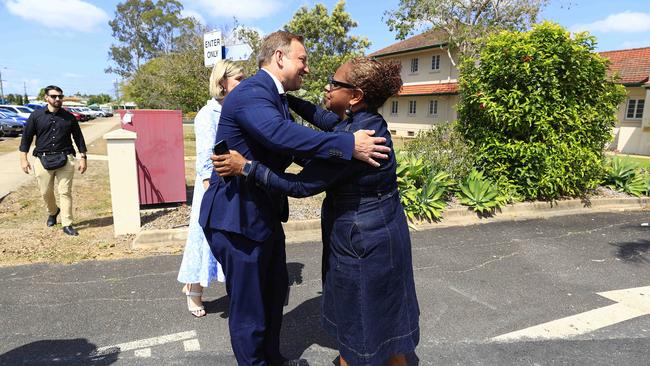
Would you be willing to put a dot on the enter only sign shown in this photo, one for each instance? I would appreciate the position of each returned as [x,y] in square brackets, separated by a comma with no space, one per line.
[630,303]
[212,48]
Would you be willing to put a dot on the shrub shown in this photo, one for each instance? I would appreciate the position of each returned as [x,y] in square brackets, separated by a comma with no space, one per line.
[538,110]
[444,149]
[479,193]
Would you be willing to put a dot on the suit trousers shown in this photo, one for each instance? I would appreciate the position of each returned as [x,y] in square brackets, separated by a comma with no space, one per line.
[257,285]
[63,176]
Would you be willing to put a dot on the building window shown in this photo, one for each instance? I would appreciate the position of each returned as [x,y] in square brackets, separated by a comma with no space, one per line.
[435,63]
[412,107]
[433,107]
[393,132]
[410,133]
[634,108]
[414,65]
[394,107]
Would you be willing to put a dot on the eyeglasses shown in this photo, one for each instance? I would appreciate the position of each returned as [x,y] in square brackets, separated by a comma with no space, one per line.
[335,83]
[60,96]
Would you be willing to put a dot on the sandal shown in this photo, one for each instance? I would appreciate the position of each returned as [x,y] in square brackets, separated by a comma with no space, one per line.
[196,310]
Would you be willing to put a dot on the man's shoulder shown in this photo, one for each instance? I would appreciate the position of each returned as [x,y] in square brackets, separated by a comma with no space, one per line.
[38,113]
[255,85]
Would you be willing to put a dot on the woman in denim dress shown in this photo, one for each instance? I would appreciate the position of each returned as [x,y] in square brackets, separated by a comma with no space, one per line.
[369,300]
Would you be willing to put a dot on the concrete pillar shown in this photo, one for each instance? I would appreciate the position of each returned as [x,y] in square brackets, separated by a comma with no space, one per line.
[123,177]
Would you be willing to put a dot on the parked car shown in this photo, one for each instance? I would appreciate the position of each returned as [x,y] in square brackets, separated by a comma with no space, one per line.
[19,109]
[104,112]
[9,127]
[90,112]
[81,111]
[36,106]
[107,113]
[80,117]
[11,115]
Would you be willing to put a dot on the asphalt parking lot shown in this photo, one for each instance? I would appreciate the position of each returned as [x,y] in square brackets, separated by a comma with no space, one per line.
[570,290]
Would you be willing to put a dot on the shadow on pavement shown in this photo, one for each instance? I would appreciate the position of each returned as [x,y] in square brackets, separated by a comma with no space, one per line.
[57,352]
[632,251]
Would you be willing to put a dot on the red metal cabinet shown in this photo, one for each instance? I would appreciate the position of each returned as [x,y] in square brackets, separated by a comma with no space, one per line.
[160,156]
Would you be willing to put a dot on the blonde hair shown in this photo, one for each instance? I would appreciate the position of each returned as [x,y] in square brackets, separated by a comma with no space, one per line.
[222,70]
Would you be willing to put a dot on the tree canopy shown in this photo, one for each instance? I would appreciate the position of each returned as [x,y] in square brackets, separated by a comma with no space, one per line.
[463,21]
[328,43]
[145,29]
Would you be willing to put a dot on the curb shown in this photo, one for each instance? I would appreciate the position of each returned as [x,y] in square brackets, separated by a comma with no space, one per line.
[300,231]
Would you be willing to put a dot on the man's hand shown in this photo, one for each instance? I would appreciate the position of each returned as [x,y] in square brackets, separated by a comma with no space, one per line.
[82,165]
[24,164]
[367,147]
[228,165]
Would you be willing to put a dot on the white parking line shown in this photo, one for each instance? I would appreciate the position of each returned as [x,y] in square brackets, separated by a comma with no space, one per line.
[146,343]
[631,303]
[144,353]
[192,345]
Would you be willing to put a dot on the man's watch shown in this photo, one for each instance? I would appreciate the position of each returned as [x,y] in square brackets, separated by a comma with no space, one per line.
[248,167]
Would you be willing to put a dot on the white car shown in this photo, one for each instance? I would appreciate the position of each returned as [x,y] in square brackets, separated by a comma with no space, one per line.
[18,109]
[90,112]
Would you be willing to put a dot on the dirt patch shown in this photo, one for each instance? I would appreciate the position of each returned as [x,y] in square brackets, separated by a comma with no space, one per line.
[24,237]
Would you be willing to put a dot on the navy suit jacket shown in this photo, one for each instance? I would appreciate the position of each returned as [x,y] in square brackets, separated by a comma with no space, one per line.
[254,122]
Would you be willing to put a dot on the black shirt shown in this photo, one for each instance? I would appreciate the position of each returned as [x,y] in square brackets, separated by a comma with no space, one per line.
[53,131]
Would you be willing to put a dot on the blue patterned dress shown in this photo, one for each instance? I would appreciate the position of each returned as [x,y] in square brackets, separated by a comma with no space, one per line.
[199,264]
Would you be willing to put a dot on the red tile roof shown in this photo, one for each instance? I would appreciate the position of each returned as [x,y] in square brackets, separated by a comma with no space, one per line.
[429,89]
[632,66]
[421,41]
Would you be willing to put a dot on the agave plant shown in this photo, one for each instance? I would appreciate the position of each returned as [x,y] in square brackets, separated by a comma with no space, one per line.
[625,176]
[422,194]
[479,193]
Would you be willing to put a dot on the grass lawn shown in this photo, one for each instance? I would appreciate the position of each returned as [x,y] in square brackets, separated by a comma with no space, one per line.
[640,160]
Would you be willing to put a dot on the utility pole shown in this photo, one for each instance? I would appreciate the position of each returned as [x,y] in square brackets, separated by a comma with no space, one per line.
[2,91]
[25,91]
[117,91]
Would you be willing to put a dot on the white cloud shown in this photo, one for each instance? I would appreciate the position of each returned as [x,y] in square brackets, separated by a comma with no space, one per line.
[625,22]
[66,14]
[241,9]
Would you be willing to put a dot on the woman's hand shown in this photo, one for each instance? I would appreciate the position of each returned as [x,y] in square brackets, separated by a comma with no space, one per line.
[228,165]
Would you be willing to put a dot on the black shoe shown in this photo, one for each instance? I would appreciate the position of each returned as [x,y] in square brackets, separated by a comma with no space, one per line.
[51,220]
[70,230]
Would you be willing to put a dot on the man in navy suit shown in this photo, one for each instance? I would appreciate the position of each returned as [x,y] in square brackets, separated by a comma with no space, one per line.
[242,222]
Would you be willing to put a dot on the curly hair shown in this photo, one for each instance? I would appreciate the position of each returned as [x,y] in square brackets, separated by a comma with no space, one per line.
[378,80]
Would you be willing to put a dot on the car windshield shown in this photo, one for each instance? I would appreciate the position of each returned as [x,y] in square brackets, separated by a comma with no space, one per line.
[7,112]
[25,109]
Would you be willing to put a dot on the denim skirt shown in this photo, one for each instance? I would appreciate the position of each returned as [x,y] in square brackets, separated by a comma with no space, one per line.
[369,301]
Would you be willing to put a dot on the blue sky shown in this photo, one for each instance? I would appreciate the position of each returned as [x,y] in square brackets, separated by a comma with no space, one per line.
[65,42]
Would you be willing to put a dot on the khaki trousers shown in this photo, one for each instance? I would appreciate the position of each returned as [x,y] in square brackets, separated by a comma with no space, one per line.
[46,178]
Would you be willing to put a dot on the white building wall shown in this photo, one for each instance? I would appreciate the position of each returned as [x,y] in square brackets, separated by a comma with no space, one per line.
[632,136]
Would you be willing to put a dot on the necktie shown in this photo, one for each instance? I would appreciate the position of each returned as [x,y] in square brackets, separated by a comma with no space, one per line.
[285,106]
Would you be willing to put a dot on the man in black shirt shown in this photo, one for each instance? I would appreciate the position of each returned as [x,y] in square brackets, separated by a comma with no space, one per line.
[53,127]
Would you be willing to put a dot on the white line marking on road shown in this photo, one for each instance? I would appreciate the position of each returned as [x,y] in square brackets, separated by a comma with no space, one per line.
[145,343]
[192,345]
[631,303]
[144,353]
